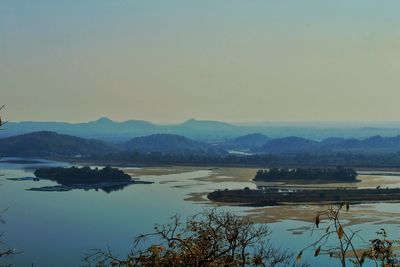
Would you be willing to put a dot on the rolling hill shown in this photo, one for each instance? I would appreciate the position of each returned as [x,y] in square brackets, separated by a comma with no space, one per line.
[43,144]
[246,142]
[165,143]
[289,144]
[295,145]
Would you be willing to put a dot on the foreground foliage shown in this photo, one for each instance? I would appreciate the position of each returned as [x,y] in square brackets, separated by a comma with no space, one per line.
[380,250]
[4,252]
[208,239]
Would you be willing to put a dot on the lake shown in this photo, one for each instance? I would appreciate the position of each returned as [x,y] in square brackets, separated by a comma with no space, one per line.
[58,228]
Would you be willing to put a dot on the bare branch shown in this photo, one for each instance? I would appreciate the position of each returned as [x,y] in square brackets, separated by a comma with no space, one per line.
[210,238]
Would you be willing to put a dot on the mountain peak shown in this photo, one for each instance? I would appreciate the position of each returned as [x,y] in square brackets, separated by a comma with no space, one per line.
[190,121]
[196,122]
[103,120]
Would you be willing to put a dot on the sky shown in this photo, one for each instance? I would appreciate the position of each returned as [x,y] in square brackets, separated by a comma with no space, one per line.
[229,60]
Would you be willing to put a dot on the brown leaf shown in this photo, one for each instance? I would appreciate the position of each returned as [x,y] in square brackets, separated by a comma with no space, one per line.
[298,258]
[340,232]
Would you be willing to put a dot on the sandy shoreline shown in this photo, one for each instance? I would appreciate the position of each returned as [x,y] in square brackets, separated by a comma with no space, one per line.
[359,213]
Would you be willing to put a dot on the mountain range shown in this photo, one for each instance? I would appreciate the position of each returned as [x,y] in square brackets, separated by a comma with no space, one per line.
[165,143]
[45,143]
[108,130]
[295,145]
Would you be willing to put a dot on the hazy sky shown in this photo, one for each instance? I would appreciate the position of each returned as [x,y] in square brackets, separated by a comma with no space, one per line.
[232,60]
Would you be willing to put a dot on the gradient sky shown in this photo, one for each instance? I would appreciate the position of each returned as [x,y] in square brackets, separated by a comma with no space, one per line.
[231,60]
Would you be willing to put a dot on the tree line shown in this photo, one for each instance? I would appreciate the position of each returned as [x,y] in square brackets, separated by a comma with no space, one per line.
[325,174]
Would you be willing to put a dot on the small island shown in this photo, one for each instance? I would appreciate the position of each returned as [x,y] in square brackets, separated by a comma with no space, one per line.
[324,175]
[271,194]
[273,197]
[108,179]
[84,175]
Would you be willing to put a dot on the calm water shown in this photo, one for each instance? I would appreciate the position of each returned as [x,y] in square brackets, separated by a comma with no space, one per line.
[57,228]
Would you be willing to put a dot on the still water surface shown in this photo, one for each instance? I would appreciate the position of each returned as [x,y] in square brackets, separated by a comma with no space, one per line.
[57,228]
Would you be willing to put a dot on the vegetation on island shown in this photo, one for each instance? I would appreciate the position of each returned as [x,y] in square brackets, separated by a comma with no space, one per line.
[276,196]
[84,175]
[338,174]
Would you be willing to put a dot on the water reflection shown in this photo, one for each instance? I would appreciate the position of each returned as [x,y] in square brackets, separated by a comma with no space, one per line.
[56,228]
[107,188]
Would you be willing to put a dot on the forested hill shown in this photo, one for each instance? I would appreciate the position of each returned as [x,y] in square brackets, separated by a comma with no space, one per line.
[167,143]
[296,145]
[246,142]
[43,144]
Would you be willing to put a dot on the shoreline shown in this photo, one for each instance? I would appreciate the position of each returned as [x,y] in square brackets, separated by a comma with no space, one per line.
[122,163]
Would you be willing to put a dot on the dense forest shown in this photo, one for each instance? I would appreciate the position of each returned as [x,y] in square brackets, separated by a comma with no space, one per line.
[324,174]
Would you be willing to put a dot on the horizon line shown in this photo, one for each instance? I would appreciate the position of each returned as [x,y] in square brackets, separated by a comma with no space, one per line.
[238,123]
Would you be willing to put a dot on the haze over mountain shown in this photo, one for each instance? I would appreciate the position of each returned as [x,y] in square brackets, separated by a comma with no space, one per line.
[166,143]
[203,130]
[290,144]
[44,144]
[295,145]
[109,130]
[246,142]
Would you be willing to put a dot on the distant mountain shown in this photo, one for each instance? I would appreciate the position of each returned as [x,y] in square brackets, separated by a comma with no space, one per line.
[332,141]
[165,143]
[207,130]
[102,129]
[290,144]
[246,142]
[108,130]
[111,125]
[111,131]
[374,144]
[45,143]
[42,144]
[193,123]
